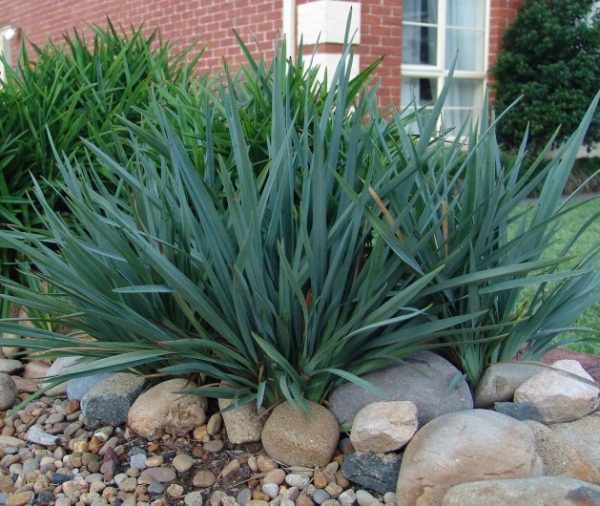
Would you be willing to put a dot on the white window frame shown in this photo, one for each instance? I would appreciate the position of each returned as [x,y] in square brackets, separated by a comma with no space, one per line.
[440,72]
[6,34]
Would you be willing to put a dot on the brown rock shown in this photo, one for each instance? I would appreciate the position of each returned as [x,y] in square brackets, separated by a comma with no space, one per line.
[584,435]
[292,437]
[160,474]
[163,409]
[465,446]
[20,499]
[265,463]
[544,490]
[303,500]
[204,479]
[259,495]
[274,476]
[560,457]
[319,479]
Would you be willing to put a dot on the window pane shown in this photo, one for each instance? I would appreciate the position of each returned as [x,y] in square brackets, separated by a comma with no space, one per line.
[419,45]
[420,11]
[423,90]
[465,13]
[461,103]
[467,46]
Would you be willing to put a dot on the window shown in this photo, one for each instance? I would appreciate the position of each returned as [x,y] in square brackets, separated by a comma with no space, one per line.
[435,33]
[6,33]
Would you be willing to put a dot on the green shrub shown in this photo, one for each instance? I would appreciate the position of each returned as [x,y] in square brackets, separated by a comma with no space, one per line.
[61,93]
[549,57]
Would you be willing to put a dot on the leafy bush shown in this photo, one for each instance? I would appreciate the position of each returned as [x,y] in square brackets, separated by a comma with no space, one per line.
[61,93]
[549,56]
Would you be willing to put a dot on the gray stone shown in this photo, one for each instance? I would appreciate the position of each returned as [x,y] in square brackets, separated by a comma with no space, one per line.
[500,381]
[375,472]
[138,461]
[347,497]
[156,488]
[161,474]
[320,496]
[465,446]
[519,410]
[244,496]
[10,366]
[77,388]
[297,480]
[364,498]
[8,391]
[271,489]
[60,366]
[425,379]
[108,402]
[193,499]
[546,490]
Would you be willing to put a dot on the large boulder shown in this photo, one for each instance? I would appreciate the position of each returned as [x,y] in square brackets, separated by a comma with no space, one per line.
[560,397]
[425,378]
[583,434]
[500,381]
[546,490]
[164,409]
[297,438]
[382,427]
[560,457]
[461,447]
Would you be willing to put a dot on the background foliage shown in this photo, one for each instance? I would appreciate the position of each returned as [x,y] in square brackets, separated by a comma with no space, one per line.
[549,57]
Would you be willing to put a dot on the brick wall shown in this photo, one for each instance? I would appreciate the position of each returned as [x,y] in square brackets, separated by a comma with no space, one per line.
[501,15]
[209,22]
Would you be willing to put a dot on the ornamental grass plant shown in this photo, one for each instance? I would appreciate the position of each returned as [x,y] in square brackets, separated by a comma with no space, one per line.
[61,93]
[274,236]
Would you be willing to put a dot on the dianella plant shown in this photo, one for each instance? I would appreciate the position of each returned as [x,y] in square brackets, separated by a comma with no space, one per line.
[265,284]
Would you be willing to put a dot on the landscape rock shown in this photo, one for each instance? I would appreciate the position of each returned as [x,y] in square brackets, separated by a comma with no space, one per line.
[545,490]
[559,397]
[584,435]
[519,410]
[8,391]
[382,427]
[60,366]
[499,382]
[425,379]
[242,424]
[21,314]
[294,438]
[163,409]
[108,402]
[560,457]
[160,474]
[35,370]
[465,446]
[78,387]
[375,472]
[10,366]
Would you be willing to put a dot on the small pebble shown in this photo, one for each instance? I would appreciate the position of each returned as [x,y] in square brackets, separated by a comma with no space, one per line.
[156,488]
[204,479]
[193,499]
[183,462]
[331,502]
[154,461]
[255,502]
[304,500]
[20,499]
[389,498]
[244,496]
[128,484]
[364,498]
[214,424]
[297,480]
[320,480]
[138,461]
[334,490]
[347,498]
[213,446]
[175,491]
[271,489]
[162,474]
[216,498]
[265,464]
[275,476]
[230,468]
[320,496]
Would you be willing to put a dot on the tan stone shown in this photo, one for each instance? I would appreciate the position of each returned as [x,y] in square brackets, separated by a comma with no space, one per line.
[500,381]
[382,427]
[296,438]
[557,396]
[163,409]
[545,490]
[560,457]
[242,424]
[461,447]
[584,435]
